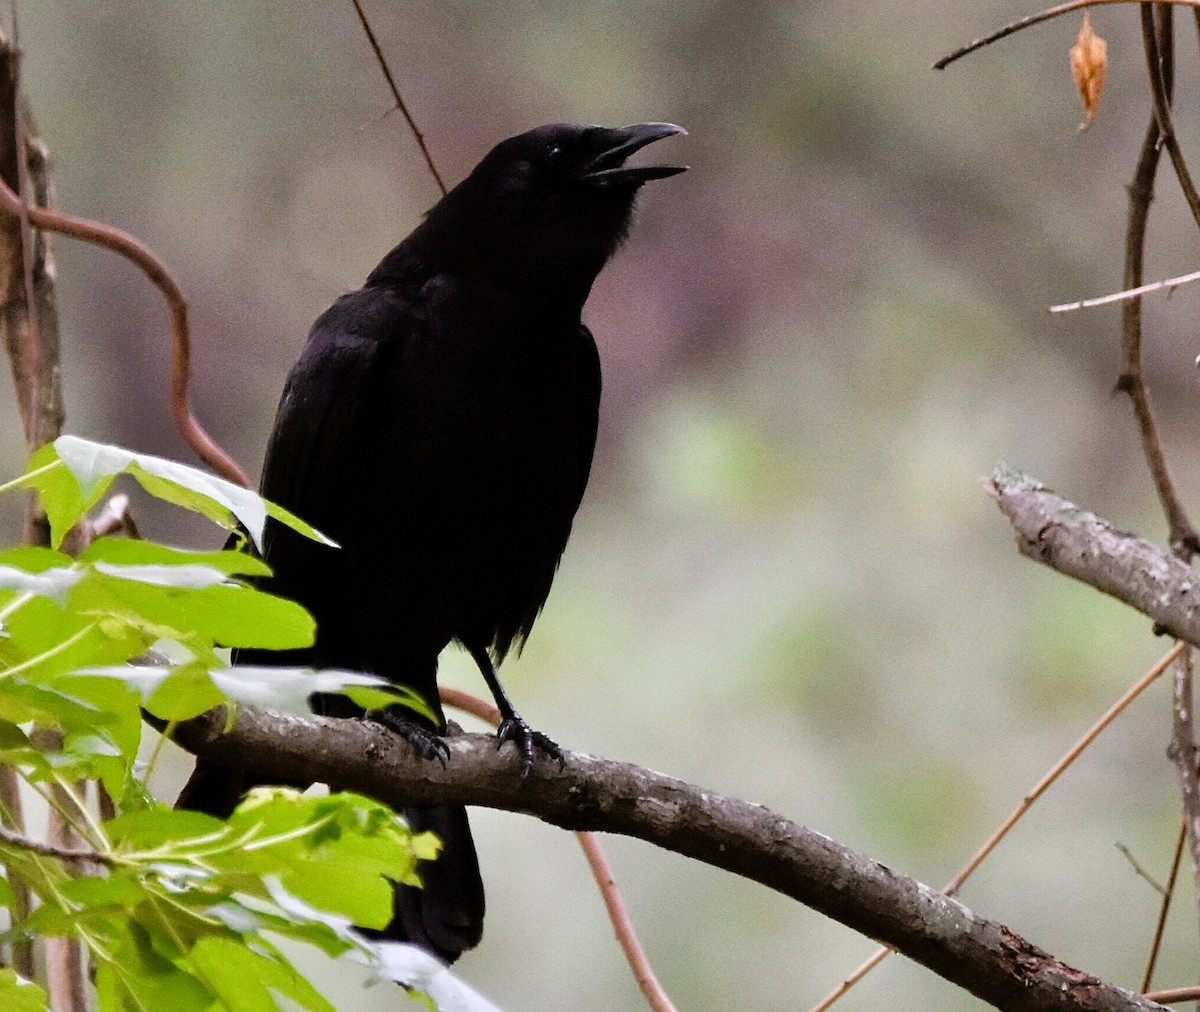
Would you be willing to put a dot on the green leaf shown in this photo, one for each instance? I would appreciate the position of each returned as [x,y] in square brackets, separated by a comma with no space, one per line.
[60,493]
[186,577]
[244,977]
[20,995]
[232,615]
[44,640]
[88,469]
[133,551]
[22,702]
[11,736]
[159,825]
[138,976]
[185,693]
[113,890]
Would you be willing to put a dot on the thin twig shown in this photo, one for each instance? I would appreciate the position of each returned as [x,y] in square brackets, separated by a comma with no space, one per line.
[1132,379]
[1139,871]
[133,250]
[1001,831]
[400,103]
[627,937]
[1164,909]
[655,996]
[1174,995]
[1168,285]
[1034,19]
[71,855]
[1159,48]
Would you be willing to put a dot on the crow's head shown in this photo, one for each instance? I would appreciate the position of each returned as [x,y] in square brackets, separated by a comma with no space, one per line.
[569,157]
[549,206]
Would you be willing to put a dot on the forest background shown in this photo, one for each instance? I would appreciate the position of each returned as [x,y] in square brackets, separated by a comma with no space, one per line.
[786,582]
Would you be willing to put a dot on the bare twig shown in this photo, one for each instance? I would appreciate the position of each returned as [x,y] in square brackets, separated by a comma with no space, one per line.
[1158,38]
[400,103]
[1164,909]
[1040,788]
[65,960]
[1167,285]
[71,855]
[29,330]
[1056,532]
[1141,872]
[1062,765]
[1035,19]
[1159,48]
[627,937]
[1132,378]
[1183,753]
[1175,995]
[643,973]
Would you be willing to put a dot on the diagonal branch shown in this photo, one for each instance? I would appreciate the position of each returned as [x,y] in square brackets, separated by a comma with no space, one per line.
[588,793]
[1066,537]
[395,90]
[1144,575]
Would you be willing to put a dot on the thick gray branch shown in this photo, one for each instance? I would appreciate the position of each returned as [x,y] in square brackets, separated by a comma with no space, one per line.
[979,955]
[1080,544]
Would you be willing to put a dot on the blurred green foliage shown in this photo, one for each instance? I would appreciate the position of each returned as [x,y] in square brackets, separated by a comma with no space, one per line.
[170,908]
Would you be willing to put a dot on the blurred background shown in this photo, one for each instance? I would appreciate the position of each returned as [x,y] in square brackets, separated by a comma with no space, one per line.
[786,582]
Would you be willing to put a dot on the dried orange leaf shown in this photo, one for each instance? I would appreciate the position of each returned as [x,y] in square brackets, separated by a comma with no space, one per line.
[1089,61]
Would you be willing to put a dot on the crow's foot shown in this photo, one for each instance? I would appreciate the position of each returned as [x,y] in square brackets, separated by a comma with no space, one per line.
[425,743]
[526,739]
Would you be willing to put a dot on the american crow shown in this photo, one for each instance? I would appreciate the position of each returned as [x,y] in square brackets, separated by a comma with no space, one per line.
[440,426]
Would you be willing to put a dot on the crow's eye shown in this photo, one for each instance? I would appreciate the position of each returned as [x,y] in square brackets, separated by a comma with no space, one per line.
[556,154]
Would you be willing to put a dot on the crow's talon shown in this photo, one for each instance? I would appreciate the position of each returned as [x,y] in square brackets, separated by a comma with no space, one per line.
[526,739]
[424,742]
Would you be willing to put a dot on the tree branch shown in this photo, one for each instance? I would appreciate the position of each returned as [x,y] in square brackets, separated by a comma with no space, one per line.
[1068,538]
[588,793]
[1035,19]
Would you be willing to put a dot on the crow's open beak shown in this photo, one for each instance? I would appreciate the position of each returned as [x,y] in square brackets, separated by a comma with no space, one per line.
[609,169]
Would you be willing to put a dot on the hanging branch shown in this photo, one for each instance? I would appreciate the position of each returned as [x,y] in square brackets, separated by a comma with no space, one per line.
[1158,39]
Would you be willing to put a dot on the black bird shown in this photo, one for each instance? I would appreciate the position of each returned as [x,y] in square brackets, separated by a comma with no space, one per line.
[440,427]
